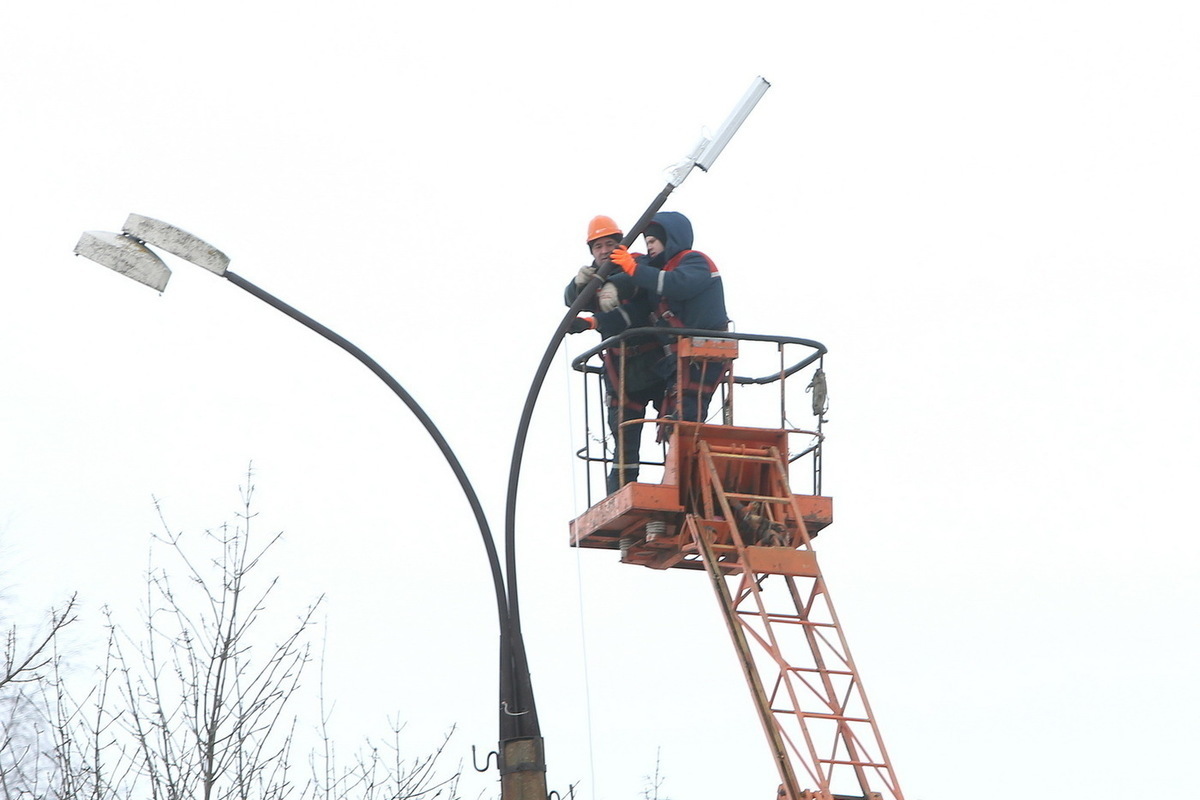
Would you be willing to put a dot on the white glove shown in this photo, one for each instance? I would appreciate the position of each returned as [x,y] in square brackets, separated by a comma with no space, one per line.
[585,275]
[607,297]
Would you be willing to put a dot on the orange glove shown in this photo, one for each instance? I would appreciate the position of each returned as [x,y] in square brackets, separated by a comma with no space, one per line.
[581,324]
[623,259]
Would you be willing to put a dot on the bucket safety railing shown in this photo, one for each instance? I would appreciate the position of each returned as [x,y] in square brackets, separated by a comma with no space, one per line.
[789,393]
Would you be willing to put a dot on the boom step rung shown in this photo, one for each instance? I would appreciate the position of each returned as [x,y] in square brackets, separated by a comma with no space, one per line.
[726,451]
[766,498]
[834,717]
[818,715]
[786,619]
[816,671]
[758,459]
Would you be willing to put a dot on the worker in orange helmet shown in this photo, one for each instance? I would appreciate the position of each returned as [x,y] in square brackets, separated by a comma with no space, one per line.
[603,236]
[631,382]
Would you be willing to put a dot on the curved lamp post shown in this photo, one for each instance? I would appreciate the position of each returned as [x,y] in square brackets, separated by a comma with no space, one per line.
[522,765]
[522,760]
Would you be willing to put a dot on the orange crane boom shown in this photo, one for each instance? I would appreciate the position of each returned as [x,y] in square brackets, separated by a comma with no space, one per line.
[725,506]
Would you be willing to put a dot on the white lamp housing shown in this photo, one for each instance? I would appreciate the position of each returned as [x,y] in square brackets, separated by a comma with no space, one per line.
[125,255]
[734,121]
[177,242]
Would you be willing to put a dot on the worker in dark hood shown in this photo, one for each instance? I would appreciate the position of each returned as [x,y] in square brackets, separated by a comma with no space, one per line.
[631,382]
[687,293]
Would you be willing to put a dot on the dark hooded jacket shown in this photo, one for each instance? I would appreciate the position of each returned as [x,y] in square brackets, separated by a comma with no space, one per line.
[684,282]
[638,354]
[633,312]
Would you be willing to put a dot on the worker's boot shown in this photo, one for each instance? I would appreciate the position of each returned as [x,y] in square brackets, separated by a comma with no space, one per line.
[627,458]
[618,477]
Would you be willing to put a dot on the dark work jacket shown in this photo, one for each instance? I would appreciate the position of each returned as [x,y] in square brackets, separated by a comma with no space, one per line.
[641,353]
[685,285]
[633,312]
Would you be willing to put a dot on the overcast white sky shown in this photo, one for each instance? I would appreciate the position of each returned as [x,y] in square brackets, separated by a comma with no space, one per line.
[987,211]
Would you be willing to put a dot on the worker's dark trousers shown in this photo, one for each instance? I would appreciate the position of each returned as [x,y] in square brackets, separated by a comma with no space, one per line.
[692,396]
[627,441]
[642,388]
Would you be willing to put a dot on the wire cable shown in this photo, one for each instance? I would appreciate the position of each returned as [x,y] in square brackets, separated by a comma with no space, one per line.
[583,632]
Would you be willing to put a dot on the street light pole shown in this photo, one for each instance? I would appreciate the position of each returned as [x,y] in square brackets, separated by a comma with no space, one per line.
[521,762]
[526,739]
[522,759]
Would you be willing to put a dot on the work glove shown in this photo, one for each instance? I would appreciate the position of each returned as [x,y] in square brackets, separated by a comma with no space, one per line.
[623,259]
[585,275]
[608,298]
[581,324]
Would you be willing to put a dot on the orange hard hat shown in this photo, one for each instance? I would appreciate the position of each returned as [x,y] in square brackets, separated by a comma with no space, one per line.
[600,227]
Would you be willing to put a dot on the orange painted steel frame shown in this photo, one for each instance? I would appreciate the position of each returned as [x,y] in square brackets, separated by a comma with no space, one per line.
[803,681]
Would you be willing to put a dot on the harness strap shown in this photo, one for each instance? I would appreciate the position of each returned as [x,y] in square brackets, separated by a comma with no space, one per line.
[664,313]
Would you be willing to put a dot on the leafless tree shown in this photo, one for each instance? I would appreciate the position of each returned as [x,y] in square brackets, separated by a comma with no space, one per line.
[27,661]
[655,782]
[193,704]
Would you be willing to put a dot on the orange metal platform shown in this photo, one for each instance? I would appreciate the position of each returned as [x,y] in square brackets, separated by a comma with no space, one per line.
[619,521]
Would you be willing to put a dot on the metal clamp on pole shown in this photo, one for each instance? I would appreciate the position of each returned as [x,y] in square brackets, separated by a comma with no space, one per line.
[523,769]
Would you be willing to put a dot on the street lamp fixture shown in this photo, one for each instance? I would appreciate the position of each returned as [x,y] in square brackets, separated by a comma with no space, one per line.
[521,760]
[127,256]
[177,242]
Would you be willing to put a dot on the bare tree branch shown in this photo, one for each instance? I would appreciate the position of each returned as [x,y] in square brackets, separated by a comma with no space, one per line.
[192,704]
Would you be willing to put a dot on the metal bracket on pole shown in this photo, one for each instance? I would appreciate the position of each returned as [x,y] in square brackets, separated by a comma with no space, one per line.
[680,171]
